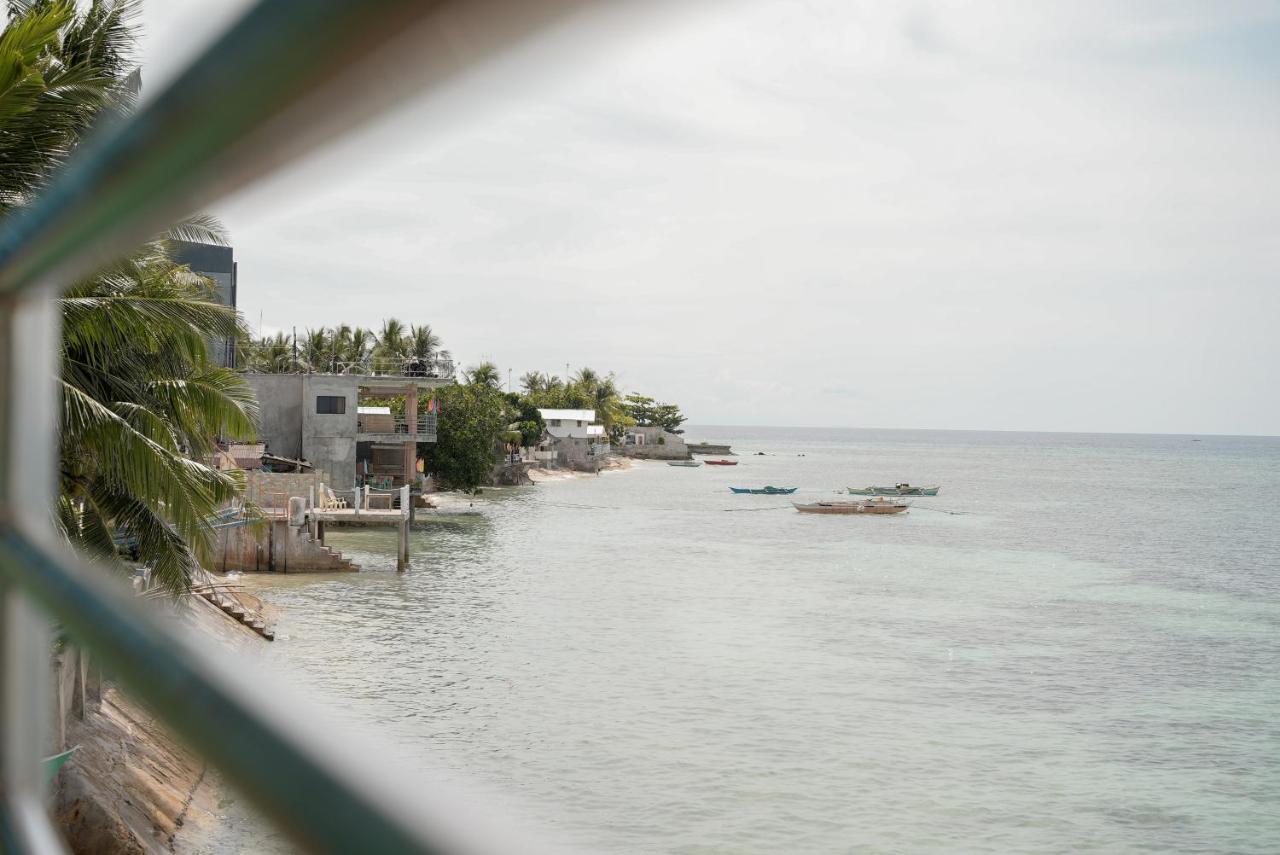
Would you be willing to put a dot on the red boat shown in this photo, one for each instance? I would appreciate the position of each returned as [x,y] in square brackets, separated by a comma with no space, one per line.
[722,463]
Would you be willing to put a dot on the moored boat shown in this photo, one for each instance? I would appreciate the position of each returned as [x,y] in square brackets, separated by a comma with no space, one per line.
[867,506]
[721,462]
[684,462]
[765,491]
[903,489]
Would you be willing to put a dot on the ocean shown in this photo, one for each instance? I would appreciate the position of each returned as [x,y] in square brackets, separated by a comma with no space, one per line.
[1074,646]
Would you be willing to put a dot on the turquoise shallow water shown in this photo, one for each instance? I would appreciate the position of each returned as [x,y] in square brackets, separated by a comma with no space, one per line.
[1083,656]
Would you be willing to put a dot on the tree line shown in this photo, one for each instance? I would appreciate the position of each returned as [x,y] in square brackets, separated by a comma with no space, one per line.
[476,417]
[345,349]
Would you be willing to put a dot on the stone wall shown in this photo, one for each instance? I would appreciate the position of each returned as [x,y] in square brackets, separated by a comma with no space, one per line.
[672,446]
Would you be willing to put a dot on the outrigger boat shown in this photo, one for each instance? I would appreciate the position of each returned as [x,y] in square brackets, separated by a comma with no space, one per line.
[765,491]
[867,506]
[903,489]
[684,462]
[722,463]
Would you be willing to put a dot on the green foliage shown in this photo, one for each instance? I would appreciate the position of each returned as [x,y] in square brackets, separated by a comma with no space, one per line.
[529,420]
[60,72]
[470,420]
[140,399]
[648,412]
[343,350]
[485,374]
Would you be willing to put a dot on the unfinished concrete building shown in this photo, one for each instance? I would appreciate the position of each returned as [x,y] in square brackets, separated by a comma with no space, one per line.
[317,418]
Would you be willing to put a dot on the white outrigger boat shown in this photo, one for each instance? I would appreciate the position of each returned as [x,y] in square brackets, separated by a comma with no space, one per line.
[877,505]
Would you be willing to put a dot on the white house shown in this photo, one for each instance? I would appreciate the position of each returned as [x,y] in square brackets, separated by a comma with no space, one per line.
[572,423]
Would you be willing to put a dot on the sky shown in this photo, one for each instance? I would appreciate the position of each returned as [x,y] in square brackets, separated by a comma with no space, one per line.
[1058,216]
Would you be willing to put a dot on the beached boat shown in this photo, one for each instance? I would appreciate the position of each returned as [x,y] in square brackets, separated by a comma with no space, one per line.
[765,491]
[684,462]
[868,506]
[895,490]
[721,462]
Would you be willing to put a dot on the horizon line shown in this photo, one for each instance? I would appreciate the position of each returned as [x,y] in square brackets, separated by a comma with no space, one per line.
[993,430]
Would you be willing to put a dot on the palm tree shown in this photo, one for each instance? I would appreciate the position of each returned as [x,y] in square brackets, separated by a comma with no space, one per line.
[391,342]
[534,383]
[61,72]
[423,343]
[142,403]
[363,342]
[339,344]
[273,355]
[317,350]
[484,374]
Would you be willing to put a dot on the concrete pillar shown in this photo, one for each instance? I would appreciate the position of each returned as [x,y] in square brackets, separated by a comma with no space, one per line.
[411,422]
[402,555]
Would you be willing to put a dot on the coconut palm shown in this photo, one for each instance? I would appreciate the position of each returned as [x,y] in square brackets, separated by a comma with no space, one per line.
[142,401]
[359,348]
[534,383]
[423,343]
[391,343]
[317,350]
[142,405]
[59,72]
[484,374]
[273,355]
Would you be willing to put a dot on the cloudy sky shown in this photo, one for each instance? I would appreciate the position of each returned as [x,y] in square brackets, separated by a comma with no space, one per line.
[1019,216]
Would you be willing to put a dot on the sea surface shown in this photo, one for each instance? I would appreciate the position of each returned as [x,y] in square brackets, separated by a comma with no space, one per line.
[1074,646]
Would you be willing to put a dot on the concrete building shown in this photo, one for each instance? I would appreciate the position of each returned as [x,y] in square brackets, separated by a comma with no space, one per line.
[572,423]
[216,263]
[320,418]
[654,443]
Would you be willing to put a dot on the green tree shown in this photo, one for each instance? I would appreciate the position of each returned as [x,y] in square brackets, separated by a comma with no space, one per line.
[485,374]
[423,343]
[142,404]
[392,347]
[316,351]
[359,350]
[528,420]
[470,419]
[59,73]
[141,399]
[648,412]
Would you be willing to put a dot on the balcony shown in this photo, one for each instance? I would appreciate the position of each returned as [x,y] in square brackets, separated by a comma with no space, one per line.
[385,428]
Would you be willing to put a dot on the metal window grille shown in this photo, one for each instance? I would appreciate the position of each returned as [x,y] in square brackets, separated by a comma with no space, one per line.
[288,75]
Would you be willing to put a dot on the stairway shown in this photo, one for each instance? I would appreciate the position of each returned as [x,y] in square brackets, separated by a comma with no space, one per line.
[237,612]
[333,561]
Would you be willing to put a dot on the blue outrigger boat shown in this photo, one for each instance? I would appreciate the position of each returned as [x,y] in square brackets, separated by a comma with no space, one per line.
[765,491]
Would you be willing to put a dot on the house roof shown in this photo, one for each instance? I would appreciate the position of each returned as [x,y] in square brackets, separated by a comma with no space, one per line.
[570,415]
[373,411]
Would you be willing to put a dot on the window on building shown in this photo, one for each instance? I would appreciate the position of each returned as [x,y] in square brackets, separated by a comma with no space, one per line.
[554,423]
[331,404]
